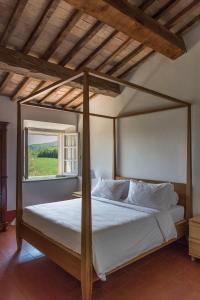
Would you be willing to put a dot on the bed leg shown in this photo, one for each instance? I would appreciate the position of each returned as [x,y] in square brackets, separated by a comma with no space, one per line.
[19,241]
[19,244]
[86,288]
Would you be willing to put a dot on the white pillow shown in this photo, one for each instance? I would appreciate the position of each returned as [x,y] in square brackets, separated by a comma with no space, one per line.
[111,189]
[159,196]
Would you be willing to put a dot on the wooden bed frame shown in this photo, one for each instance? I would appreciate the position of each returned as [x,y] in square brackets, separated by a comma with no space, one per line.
[80,265]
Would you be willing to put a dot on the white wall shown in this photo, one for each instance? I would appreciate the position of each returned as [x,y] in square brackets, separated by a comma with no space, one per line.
[40,191]
[159,139]
[100,147]
[154,146]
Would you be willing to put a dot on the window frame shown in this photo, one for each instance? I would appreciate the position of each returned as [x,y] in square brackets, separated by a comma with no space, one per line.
[76,134]
[61,134]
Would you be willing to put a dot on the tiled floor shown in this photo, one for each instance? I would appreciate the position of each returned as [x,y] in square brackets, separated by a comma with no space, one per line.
[166,275]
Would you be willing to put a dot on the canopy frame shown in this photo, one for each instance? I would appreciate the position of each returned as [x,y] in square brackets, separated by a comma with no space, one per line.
[86,229]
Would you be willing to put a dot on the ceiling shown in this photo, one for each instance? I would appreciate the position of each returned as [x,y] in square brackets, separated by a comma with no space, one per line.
[57,32]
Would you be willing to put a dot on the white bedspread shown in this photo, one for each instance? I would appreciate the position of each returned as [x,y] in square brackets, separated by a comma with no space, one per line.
[120,231]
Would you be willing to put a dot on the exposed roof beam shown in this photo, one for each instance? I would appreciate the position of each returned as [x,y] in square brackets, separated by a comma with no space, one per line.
[183,13]
[5,80]
[114,54]
[126,72]
[52,87]
[97,50]
[79,104]
[14,18]
[146,4]
[132,21]
[29,66]
[120,64]
[48,12]
[165,8]
[74,18]
[72,100]
[126,59]
[159,14]
[82,42]
[86,61]
[189,25]
[101,66]
[169,24]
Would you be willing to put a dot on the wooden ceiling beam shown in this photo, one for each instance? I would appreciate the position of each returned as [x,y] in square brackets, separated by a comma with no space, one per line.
[74,18]
[165,9]
[60,100]
[94,53]
[6,79]
[14,18]
[82,42]
[142,60]
[140,48]
[79,104]
[133,22]
[86,61]
[29,66]
[122,62]
[114,54]
[183,14]
[146,4]
[48,12]
[88,36]
[52,86]
[158,15]
[189,25]
[126,59]
[169,24]
[72,100]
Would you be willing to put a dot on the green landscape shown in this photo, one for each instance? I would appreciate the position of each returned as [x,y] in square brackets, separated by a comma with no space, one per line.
[43,159]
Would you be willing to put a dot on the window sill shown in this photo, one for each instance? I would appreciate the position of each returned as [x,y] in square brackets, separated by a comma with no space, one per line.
[49,178]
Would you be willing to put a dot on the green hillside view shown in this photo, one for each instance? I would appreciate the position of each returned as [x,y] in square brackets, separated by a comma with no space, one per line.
[43,159]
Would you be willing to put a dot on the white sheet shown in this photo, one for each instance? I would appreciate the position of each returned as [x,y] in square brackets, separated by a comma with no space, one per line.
[120,231]
[177,212]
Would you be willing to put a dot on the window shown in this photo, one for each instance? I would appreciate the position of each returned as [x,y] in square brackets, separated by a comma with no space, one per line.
[70,153]
[50,152]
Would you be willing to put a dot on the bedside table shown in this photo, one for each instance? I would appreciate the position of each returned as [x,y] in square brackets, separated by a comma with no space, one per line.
[194,237]
[77,194]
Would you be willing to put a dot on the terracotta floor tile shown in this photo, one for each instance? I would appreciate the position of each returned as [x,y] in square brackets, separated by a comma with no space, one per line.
[168,274]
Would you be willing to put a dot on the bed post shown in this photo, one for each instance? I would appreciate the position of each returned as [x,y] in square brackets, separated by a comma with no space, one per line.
[86,229]
[18,180]
[189,164]
[114,163]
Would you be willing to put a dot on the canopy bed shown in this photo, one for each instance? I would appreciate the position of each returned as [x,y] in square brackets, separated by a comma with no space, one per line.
[84,260]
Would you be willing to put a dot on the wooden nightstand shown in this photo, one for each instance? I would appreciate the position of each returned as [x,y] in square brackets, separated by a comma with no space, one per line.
[77,194]
[194,237]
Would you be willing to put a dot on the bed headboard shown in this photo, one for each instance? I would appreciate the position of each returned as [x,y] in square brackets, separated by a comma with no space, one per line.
[180,188]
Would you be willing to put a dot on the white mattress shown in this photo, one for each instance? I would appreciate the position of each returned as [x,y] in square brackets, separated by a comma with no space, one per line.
[120,231]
